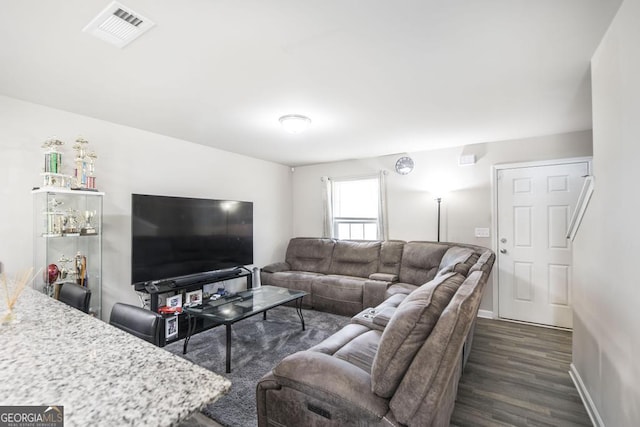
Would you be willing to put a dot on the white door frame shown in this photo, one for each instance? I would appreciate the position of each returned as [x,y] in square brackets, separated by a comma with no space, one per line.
[494,208]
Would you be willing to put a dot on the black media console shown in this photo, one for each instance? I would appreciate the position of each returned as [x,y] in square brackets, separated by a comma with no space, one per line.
[182,286]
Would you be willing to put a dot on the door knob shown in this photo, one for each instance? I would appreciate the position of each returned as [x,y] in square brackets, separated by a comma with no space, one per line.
[503,251]
[503,240]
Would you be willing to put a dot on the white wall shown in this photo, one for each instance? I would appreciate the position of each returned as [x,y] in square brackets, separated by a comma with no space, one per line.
[130,161]
[466,190]
[606,338]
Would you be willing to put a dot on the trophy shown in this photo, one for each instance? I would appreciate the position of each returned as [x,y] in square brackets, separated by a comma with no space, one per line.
[81,168]
[52,172]
[81,269]
[71,223]
[84,172]
[55,219]
[52,156]
[88,227]
[91,175]
[64,267]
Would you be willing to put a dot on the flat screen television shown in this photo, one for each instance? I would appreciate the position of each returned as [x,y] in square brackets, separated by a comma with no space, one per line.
[174,237]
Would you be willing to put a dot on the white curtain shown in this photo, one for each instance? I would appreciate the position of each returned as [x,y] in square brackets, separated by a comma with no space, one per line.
[327,212]
[383,224]
[327,207]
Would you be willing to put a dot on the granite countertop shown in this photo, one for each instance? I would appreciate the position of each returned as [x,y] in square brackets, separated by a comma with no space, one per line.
[57,355]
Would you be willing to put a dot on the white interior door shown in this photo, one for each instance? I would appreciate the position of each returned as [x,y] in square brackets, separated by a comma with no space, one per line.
[535,205]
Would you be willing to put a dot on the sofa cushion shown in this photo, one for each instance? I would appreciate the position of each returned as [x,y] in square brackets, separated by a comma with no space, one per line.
[484,262]
[408,329]
[419,394]
[464,268]
[338,294]
[456,259]
[421,261]
[358,259]
[361,351]
[298,280]
[393,301]
[341,338]
[310,254]
[391,256]
[400,289]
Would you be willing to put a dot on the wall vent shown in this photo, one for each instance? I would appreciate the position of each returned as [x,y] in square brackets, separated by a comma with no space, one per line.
[118,25]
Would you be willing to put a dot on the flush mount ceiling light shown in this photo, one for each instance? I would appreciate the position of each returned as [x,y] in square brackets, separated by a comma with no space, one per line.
[295,123]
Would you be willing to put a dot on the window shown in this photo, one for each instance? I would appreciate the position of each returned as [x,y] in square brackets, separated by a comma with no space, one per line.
[354,208]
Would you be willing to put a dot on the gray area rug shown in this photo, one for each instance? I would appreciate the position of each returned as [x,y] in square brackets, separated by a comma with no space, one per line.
[257,346]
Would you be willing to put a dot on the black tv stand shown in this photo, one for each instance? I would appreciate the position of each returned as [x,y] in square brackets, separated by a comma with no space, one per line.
[188,284]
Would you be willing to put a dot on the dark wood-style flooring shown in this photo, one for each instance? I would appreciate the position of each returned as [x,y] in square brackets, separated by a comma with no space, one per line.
[517,375]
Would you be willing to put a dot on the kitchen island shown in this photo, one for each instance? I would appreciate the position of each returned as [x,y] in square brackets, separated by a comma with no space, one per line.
[55,355]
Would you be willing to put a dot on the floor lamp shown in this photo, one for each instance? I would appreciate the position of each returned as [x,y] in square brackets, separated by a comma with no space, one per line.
[439,200]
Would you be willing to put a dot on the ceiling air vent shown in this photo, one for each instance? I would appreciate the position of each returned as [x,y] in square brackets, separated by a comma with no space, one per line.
[118,25]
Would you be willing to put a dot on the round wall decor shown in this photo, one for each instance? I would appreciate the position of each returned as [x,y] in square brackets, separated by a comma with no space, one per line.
[404,165]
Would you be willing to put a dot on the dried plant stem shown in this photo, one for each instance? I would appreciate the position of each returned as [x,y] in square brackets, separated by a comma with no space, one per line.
[21,281]
[6,287]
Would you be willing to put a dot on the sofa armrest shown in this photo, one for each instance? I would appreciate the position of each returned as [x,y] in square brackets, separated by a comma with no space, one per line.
[331,379]
[277,267]
[374,292]
[374,318]
[266,383]
[381,317]
[384,277]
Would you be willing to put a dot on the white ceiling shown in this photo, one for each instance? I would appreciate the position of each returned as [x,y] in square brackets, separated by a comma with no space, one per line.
[376,77]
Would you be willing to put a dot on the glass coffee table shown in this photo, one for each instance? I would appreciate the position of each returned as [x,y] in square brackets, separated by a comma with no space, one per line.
[231,309]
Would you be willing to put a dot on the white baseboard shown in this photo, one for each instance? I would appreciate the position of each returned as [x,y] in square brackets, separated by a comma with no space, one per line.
[586,397]
[485,314]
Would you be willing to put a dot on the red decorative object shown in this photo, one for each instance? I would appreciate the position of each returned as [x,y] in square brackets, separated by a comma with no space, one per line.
[53,273]
[169,310]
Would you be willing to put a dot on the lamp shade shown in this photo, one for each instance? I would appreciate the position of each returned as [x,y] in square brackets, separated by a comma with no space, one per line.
[295,123]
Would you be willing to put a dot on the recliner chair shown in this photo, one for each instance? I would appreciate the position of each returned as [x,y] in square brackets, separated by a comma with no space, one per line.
[144,324]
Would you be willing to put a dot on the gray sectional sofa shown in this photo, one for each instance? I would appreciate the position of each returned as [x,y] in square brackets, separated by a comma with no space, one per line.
[346,276]
[399,360]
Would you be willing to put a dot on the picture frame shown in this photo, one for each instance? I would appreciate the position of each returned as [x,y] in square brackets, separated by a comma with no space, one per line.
[162,298]
[193,298]
[171,327]
[174,301]
[208,290]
